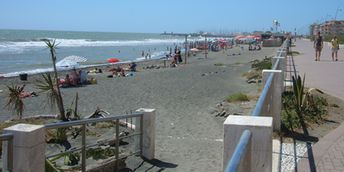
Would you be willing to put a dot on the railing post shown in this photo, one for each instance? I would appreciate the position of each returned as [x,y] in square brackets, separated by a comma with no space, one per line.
[276,97]
[117,145]
[28,147]
[148,132]
[83,148]
[261,150]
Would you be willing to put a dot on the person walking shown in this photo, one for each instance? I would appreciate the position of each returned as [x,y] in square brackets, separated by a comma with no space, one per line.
[335,48]
[318,45]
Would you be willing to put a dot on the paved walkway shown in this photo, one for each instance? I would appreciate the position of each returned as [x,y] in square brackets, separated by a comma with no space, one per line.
[327,75]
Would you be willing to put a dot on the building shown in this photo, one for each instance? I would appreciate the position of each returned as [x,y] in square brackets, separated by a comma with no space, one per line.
[332,27]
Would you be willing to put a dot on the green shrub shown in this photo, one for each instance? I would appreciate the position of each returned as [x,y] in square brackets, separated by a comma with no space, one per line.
[219,64]
[238,97]
[259,65]
[314,108]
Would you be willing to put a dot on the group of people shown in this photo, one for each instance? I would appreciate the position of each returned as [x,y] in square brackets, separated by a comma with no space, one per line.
[319,44]
[255,47]
[74,79]
[120,72]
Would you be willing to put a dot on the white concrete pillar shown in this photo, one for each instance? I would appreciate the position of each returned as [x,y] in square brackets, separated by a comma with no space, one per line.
[28,147]
[261,150]
[148,133]
[276,97]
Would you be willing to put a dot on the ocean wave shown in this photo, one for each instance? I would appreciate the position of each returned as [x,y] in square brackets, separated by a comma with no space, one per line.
[38,43]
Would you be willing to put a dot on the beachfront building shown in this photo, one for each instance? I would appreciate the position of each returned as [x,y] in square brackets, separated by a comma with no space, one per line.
[332,27]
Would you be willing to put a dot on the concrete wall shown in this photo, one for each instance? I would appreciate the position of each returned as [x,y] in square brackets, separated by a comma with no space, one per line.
[261,150]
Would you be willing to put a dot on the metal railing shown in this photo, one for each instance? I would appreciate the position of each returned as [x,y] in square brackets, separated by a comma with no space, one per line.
[9,159]
[118,121]
[239,154]
[241,150]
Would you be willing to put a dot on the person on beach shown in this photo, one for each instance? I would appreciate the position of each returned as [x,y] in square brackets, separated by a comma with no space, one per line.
[83,77]
[66,82]
[132,67]
[318,45]
[179,56]
[75,78]
[335,48]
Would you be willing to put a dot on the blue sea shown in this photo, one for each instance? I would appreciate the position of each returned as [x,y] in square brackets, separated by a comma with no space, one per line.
[24,51]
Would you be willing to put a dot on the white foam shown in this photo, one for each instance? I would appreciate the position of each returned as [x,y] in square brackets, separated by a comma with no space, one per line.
[21,46]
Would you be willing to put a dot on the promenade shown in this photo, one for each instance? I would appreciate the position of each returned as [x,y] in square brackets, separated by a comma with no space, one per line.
[328,153]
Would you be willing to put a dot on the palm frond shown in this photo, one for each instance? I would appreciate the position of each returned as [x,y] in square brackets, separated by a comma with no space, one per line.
[47,86]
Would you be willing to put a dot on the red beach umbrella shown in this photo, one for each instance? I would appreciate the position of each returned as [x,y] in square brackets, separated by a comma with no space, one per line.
[113,60]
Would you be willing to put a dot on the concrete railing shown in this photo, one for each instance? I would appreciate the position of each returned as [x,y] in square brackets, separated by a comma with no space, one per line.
[7,151]
[29,140]
[253,152]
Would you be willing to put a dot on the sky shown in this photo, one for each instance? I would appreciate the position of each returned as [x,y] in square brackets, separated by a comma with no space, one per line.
[157,16]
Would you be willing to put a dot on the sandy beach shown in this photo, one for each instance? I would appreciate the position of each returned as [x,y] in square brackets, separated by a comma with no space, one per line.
[188,137]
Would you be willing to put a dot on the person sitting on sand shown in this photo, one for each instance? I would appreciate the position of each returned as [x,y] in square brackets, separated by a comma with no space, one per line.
[121,72]
[259,47]
[173,63]
[132,67]
[74,78]
[95,70]
[83,77]
[25,94]
[66,81]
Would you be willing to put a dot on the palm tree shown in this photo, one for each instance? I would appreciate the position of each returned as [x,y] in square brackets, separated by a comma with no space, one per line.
[15,101]
[52,45]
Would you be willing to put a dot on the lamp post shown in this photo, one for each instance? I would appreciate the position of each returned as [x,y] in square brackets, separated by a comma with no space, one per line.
[205,45]
[276,24]
[186,47]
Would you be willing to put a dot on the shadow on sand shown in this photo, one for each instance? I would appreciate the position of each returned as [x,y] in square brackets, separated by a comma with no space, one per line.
[154,163]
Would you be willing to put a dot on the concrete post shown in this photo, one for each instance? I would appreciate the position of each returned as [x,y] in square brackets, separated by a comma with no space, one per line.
[148,133]
[28,147]
[261,150]
[282,65]
[276,101]
[266,110]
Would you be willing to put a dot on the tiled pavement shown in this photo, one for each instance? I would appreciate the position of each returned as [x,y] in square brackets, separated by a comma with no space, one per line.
[327,75]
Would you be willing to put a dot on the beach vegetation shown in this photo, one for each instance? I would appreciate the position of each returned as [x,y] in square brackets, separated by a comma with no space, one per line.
[15,101]
[72,113]
[219,64]
[52,45]
[238,97]
[47,85]
[253,74]
[260,65]
[302,106]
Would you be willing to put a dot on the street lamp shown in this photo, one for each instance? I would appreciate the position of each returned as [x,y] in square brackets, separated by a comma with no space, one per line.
[276,24]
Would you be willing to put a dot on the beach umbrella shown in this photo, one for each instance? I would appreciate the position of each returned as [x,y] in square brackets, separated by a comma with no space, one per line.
[113,60]
[71,61]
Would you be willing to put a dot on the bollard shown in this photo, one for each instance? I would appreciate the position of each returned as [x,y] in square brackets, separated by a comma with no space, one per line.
[28,147]
[147,126]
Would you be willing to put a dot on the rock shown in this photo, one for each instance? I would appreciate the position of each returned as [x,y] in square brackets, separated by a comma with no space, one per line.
[251,81]
[223,113]
[219,104]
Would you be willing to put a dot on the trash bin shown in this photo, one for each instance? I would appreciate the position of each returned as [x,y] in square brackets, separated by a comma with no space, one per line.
[23,76]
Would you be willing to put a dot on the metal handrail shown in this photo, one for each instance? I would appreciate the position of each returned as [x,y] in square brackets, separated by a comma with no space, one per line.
[84,122]
[242,146]
[259,106]
[9,138]
[239,152]
[92,120]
